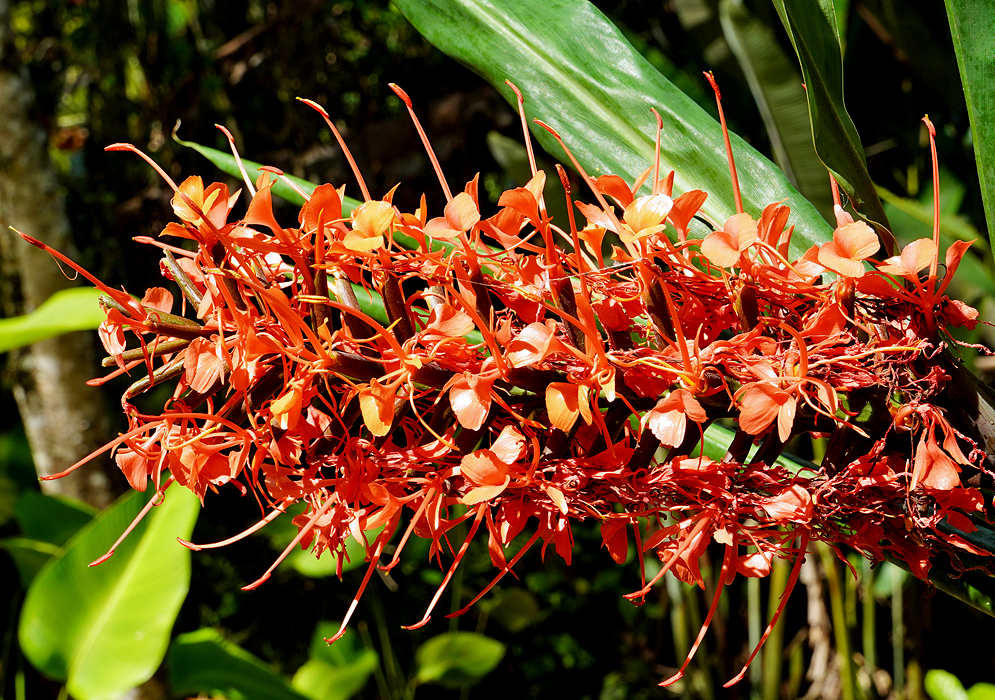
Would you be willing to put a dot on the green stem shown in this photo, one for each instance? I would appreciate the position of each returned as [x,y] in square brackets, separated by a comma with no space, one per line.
[840,631]
[773,658]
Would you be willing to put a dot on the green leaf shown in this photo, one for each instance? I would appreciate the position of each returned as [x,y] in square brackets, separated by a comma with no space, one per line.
[202,662]
[29,556]
[580,76]
[943,685]
[104,629]
[811,25]
[981,691]
[776,85]
[456,659]
[335,671]
[515,609]
[69,310]
[50,518]
[972,26]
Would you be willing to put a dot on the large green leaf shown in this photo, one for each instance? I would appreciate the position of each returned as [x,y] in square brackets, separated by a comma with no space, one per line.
[335,671]
[104,629]
[580,76]
[69,310]
[776,85]
[811,24]
[972,26]
[203,662]
[455,659]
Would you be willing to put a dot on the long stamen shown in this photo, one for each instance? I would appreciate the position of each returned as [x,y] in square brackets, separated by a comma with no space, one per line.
[345,149]
[725,136]
[424,139]
[238,159]
[147,159]
[452,569]
[590,182]
[656,159]
[723,574]
[936,201]
[154,501]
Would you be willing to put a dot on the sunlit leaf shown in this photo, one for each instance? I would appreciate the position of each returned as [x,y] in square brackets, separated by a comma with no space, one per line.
[972,26]
[65,311]
[590,85]
[335,671]
[104,629]
[943,685]
[203,662]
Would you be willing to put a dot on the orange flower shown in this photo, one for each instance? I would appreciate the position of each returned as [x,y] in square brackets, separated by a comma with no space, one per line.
[851,244]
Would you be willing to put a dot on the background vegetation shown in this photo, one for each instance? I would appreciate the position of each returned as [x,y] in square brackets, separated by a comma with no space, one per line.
[105,72]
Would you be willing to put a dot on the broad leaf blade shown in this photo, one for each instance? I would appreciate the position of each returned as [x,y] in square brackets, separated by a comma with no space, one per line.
[66,311]
[104,629]
[203,662]
[972,26]
[811,25]
[580,76]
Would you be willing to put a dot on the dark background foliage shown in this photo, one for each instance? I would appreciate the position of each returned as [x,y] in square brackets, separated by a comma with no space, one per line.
[107,72]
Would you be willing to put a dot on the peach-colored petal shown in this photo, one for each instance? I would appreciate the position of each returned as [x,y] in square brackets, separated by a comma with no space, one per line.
[851,243]
[484,468]
[564,402]
[917,255]
[647,212]
[461,212]
[509,445]
[759,407]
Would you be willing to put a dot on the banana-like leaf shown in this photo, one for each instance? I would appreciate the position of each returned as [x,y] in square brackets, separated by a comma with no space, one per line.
[104,629]
[972,26]
[66,311]
[580,76]
[776,85]
[811,25]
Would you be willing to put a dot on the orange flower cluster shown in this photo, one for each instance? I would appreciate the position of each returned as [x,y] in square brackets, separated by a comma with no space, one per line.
[522,385]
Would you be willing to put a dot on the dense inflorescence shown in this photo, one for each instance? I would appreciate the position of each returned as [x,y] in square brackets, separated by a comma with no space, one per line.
[401,373]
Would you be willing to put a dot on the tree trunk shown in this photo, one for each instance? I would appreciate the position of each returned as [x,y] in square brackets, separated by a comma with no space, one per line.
[64,419]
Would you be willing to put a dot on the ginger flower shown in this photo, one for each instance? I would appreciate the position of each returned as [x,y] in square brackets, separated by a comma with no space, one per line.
[724,247]
[852,243]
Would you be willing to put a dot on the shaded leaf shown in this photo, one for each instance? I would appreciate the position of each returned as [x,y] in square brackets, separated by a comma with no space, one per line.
[581,83]
[811,25]
[29,556]
[203,662]
[776,85]
[51,519]
[455,659]
[104,629]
